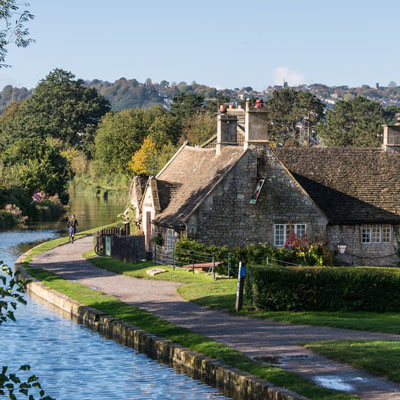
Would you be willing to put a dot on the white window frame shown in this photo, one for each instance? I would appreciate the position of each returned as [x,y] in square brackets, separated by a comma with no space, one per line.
[376,233]
[170,240]
[366,234]
[386,233]
[298,229]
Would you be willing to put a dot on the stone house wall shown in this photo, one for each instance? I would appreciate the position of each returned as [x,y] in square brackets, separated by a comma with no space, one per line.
[358,253]
[226,217]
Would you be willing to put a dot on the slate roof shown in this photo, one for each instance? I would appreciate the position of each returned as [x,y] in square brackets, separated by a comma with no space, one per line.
[187,180]
[350,185]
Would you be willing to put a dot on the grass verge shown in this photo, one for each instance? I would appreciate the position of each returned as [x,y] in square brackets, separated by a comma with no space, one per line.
[182,336]
[377,357]
[202,290]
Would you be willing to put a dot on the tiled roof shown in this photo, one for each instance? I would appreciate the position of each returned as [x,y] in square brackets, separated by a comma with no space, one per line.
[350,185]
[187,180]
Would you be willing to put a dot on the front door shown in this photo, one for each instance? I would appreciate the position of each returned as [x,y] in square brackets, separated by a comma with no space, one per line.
[148,230]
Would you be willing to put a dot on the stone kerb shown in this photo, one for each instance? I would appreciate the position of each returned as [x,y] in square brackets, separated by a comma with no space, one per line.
[212,371]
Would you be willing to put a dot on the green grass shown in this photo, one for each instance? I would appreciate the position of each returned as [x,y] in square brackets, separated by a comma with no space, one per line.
[202,290]
[377,357]
[198,288]
[184,337]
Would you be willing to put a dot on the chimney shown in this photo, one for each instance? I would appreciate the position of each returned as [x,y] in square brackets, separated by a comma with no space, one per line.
[256,125]
[391,137]
[226,130]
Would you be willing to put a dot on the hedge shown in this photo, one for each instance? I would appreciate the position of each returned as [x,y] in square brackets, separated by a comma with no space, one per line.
[312,254]
[275,288]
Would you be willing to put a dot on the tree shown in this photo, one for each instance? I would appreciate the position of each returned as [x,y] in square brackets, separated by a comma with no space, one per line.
[60,107]
[150,158]
[120,135]
[11,293]
[185,104]
[198,128]
[289,111]
[356,122]
[37,166]
[15,31]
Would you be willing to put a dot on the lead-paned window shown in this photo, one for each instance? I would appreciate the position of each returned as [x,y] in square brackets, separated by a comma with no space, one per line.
[170,240]
[366,234]
[376,233]
[386,234]
[280,234]
[299,230]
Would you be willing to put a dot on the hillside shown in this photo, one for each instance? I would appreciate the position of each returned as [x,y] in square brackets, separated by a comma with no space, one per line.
[130,93]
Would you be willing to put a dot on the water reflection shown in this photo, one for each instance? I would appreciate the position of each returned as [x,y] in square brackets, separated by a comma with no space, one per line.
[72,362]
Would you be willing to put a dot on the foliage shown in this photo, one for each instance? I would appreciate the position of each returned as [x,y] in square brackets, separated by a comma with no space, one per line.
[198,128]
[59,107]
[150,158]
[186,104]
[120,135]
[356,122]
[277,288]
[301,253]
[291,112]
[14,31]
[36,166]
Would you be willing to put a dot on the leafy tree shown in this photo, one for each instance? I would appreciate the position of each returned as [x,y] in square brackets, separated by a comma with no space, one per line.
[15,31]
[289,109]
[356,122]
[198,128]
[185,104]
[37,166]
[150,158]
[60,107]
[120,135]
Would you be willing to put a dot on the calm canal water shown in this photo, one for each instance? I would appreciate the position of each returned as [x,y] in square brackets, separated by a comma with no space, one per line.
[72,362]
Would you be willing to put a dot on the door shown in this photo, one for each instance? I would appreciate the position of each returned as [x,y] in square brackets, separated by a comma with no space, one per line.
[148,230]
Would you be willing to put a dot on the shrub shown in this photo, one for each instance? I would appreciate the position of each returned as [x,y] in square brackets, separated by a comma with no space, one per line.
[7,219]
[274,288]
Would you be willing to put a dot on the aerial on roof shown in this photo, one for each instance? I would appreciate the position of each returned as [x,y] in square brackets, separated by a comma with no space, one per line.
[193,173]
[350,185]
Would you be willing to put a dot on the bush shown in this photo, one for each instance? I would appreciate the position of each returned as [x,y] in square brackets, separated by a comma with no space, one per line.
[7,219]
[275,288]
[304,254]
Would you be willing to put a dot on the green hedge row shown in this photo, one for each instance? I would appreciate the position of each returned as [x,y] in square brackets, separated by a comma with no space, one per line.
[275,288]
[313,254]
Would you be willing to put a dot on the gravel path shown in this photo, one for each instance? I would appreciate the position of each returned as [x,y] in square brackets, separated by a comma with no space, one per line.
[254,337]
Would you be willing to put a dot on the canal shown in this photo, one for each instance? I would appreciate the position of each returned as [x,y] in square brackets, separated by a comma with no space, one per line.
[71,361]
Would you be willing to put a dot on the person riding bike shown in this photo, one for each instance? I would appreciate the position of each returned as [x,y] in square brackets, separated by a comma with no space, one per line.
[72,224]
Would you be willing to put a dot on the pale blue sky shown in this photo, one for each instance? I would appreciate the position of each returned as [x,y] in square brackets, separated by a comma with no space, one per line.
[219,43]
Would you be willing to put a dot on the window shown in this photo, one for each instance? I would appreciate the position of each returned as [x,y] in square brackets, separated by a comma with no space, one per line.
[386,234]
[376,233]
[170,240]
[366,234]
[281,232]
[280,235]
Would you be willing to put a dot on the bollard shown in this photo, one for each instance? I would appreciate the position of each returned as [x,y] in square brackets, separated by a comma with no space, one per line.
[240,286]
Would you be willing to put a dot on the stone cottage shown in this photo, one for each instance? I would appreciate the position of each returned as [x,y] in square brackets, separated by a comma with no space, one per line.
[238,190]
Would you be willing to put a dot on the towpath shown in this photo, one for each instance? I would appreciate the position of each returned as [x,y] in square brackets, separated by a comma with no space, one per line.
[254,337]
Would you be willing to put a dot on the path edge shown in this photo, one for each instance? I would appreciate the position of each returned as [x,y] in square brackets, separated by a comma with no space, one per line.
[234,381]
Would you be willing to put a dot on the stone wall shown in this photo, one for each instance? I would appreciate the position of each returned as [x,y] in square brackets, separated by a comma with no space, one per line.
[227,217]
[358,253]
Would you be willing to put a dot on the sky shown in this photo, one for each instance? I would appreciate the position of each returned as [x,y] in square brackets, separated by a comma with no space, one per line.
[224,44]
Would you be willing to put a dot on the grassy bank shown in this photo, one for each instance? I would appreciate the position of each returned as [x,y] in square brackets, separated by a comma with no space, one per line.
[182,336]
[200,289]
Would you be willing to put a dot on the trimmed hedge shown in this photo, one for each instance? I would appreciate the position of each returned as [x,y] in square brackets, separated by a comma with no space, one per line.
[275,288]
